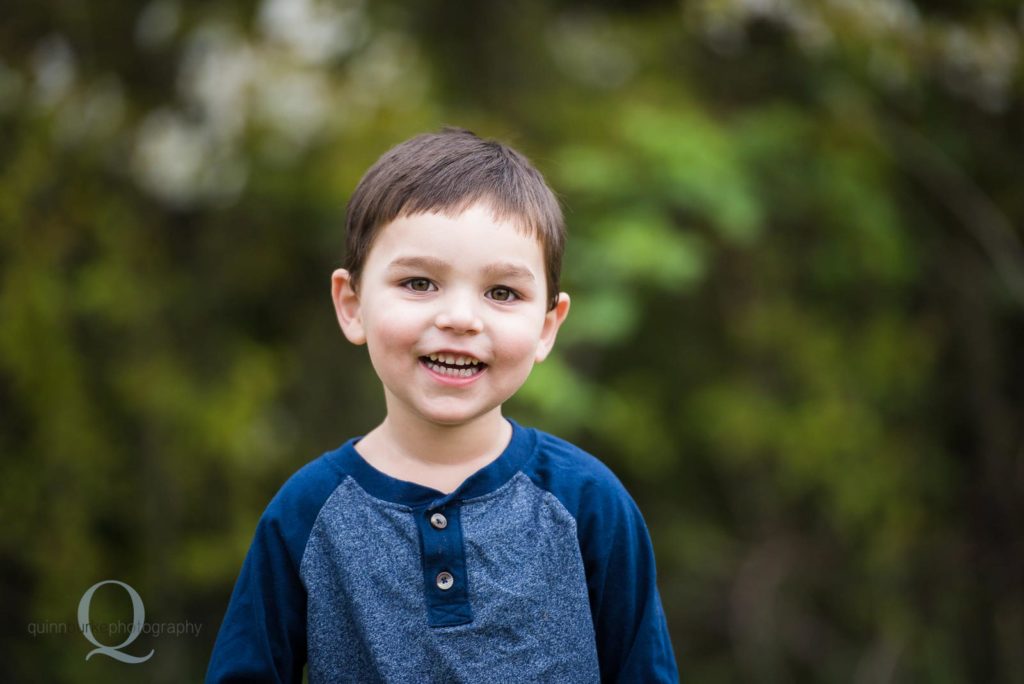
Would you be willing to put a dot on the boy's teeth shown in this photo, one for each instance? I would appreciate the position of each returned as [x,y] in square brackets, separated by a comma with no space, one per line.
[453,360]
[454,366]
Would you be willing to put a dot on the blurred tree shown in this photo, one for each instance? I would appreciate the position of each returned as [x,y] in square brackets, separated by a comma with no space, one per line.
[796,266]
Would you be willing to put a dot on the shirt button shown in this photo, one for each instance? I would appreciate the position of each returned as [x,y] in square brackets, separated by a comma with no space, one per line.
[445,580]
[439,521]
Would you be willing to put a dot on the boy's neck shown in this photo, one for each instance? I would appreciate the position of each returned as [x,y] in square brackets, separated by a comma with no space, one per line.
[437,456]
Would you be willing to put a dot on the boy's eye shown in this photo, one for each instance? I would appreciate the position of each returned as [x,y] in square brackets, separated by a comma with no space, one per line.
[419,284]
[503,294]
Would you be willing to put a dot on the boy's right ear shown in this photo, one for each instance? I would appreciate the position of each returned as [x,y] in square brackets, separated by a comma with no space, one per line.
[346,306]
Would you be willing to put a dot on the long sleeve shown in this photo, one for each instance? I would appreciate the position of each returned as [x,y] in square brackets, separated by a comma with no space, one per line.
[633,643]
[630,629]
[263,635]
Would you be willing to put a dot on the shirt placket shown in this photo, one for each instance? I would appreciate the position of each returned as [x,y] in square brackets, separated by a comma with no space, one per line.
[445,583]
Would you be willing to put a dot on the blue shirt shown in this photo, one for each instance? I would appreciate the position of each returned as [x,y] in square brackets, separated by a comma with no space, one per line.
[538,568]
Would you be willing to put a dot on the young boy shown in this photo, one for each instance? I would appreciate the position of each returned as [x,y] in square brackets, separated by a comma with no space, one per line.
[449,544]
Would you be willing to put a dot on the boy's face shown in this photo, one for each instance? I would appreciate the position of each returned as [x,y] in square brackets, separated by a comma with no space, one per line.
[453,311]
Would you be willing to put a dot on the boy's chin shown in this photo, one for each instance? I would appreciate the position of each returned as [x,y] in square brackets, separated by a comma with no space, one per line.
[456,418]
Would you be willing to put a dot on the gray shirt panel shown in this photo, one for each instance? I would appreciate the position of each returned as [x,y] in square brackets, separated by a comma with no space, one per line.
[367,615]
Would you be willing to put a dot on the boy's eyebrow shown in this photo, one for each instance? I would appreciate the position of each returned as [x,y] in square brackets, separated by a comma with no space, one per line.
[426,263]
[497,270]
[507,269]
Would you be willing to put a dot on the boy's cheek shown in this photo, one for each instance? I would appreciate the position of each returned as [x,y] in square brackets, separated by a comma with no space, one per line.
[395,334]
[515,349]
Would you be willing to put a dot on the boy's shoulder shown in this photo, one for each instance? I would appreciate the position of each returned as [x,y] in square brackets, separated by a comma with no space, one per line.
[561,456]
[577,478]
[296,505]
[314,480]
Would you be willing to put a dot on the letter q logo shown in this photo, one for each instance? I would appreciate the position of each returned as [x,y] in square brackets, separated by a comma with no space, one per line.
[138,620]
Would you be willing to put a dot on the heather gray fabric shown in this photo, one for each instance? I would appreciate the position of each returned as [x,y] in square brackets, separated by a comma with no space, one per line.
[367,614]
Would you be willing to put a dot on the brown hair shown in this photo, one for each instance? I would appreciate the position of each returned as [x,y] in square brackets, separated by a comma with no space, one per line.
[448,172]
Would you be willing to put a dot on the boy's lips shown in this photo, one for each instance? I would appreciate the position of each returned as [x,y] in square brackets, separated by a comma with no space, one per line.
[453,368]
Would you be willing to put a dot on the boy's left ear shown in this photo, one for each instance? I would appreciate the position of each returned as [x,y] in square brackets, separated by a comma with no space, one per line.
[552,322]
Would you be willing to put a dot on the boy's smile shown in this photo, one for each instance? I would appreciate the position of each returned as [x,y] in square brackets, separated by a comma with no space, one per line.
[454,312]
[453,367]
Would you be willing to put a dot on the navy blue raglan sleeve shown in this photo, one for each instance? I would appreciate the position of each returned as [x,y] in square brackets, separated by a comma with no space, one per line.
[633,643]
[263,635]
[629,622]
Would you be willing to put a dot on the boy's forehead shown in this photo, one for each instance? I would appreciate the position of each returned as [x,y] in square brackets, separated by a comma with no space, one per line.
[482,212]
[477,229]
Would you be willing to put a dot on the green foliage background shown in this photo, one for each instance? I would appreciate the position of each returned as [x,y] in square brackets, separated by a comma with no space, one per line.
[796,268]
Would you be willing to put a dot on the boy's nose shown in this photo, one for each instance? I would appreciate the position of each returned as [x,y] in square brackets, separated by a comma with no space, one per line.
[458,315]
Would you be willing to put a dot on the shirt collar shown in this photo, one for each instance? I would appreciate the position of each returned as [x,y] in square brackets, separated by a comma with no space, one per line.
[484,481]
